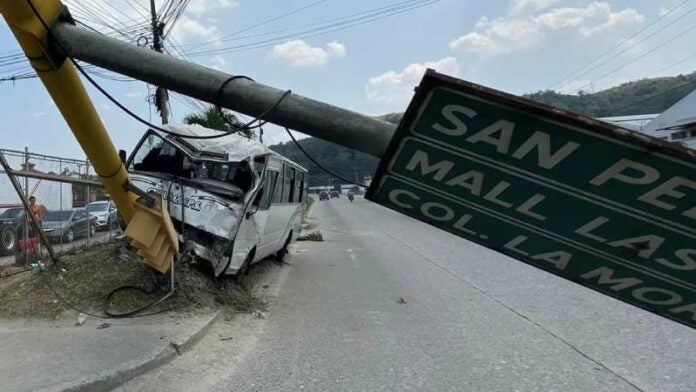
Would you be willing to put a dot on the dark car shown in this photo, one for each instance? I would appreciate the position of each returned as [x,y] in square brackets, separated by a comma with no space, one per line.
[323,196]
[334,195]
[69,224]
[12,228]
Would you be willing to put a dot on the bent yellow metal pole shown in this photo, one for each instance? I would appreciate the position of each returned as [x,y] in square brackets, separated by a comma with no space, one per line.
[66,89]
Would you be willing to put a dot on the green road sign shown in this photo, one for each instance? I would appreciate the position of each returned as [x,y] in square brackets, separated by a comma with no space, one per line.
[586,200]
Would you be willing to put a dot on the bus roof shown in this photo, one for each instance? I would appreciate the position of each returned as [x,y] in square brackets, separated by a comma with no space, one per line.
[233,148]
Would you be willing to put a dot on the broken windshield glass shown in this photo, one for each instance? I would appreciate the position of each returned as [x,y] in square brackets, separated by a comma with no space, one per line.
[156,155]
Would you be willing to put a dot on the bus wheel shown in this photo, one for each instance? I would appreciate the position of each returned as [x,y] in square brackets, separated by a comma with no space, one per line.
[244,269]
[280,255]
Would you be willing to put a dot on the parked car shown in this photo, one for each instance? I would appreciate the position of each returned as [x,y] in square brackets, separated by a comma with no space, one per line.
[105,213]
[334,195]
[12,228]
[69,224]
[323,196]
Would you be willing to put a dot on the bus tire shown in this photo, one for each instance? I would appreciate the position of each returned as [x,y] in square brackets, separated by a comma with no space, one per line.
[280,254]
[244,269]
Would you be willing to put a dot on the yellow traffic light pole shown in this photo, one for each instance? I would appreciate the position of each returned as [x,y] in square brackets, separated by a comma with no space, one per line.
[61,79]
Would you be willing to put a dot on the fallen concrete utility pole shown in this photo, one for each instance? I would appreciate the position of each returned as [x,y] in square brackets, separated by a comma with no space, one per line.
[314,118]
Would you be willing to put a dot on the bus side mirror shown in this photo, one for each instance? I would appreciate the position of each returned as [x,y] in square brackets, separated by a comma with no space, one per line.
[254,209]
[122,156]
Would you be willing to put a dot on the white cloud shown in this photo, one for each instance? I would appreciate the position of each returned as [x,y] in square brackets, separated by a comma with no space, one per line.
[192,30]
[219,63]
[300,54]
[397,87]
[499,36]
[595,18]
[516,32]
[517,6]
[200,7]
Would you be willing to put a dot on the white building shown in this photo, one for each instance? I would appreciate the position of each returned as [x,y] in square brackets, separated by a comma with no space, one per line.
[676,124]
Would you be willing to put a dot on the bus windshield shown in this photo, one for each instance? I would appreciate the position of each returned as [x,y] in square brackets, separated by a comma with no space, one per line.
[156,155]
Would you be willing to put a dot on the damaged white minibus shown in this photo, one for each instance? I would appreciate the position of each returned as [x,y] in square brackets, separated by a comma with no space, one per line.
[232,198]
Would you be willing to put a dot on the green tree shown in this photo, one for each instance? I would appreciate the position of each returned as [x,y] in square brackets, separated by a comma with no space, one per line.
[213,119]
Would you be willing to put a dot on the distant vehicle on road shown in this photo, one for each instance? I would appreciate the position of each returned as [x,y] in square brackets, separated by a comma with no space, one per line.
[334,195]
[105,213]
[323,196]
[69,224]
[351,196]
[12,223]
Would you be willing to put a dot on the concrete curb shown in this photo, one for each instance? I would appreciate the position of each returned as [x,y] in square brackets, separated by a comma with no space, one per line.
[115,377]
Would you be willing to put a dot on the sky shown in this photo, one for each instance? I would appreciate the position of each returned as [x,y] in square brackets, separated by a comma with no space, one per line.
[365,55]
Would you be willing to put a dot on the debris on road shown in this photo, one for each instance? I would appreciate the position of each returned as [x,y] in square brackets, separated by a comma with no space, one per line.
[401,300]
[314,235]
[81,318]
[103,326]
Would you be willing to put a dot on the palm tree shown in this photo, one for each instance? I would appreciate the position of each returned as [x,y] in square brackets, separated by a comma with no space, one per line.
[221,120]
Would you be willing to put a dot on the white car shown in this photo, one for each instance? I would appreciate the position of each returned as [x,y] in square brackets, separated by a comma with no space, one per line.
[105,213]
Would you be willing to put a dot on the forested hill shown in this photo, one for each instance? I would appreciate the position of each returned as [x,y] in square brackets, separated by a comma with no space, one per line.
[638,97]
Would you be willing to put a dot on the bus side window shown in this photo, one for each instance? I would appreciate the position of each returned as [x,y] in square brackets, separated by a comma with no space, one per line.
[299,181]
[288,184]
[269,185]
[278,191]
[301,186]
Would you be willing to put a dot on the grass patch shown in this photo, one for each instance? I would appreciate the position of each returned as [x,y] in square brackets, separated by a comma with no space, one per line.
[85,278]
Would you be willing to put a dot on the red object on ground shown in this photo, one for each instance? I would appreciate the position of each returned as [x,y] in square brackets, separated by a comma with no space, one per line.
[29,246]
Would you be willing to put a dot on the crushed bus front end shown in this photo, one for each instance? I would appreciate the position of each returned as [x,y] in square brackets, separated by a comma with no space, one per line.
[208,184]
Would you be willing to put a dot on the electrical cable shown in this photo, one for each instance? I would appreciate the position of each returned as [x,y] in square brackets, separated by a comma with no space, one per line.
[267,21]
[128,111]
[622,41]
[322,30]
[345,18]
[47,280]
[319,165]
[632,61]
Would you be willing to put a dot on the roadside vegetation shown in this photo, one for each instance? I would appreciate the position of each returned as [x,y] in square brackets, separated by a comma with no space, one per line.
[84,278]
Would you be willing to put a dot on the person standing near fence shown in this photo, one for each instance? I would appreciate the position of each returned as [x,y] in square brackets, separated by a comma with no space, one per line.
[37,210]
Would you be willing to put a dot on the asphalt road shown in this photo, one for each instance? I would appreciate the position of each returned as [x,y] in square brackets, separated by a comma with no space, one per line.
[387,303]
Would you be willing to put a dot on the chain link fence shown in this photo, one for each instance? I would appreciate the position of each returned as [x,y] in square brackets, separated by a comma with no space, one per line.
[73,215]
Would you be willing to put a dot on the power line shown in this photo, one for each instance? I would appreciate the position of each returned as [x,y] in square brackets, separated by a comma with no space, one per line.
[632,61]
[632,46]
[621,42]
[273,19]
[317,31]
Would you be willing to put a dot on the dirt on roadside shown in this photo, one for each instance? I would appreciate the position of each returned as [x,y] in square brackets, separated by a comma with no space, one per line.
[83,279]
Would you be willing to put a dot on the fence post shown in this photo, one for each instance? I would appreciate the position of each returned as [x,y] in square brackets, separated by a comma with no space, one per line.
[26,213]
[89,217]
